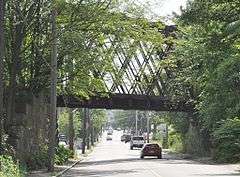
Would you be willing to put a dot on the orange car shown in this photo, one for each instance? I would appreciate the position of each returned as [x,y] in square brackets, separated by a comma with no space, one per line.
[151,149]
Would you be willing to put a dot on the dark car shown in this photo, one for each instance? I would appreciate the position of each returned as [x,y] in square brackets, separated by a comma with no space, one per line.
[109,138]
[123,137]
[109,133]
[127,138]
[151,149]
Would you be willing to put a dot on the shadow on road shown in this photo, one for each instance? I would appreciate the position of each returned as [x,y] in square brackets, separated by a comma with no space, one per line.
[97,173]
[114,161]
[227,174]
[107,162]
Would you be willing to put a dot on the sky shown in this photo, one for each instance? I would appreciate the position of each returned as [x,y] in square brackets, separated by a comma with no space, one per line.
[163,7]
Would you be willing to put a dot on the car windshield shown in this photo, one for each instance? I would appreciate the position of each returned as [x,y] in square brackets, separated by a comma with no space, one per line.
[138,138]
[152,145]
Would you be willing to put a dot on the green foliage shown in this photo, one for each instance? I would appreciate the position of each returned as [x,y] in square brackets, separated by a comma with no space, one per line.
[221,98]
[124,119]
[178,121]
[204,71]
[90,39]
[63,122]
[8,168]
[99,118]
[62,155]
[227,141]
[175,141]
[158,136]
[193,142]
[7,149]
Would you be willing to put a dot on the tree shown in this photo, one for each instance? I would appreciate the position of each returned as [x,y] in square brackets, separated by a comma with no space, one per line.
[2,49]
[204,66]
[53,94]
[71,130]
[84,130]
[85,54]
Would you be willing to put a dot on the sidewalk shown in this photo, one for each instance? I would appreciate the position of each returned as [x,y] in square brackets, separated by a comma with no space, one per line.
[60,168]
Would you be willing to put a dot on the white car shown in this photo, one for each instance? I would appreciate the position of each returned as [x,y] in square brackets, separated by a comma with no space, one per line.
[63,143]
[110,132]
[137,141]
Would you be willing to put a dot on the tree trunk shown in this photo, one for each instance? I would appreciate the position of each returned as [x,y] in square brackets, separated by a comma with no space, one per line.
[17,33]
[53,98]
[88,129]
[71,130]
[92,135]
[2,48]
[84,130]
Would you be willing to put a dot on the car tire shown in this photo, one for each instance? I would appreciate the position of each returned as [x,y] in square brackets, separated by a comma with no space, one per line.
[131,147]
[160,156]
[142,156]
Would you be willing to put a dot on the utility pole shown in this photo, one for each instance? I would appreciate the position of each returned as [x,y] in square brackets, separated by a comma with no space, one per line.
[53,92]
[84,130]
[136,123]
[2,49]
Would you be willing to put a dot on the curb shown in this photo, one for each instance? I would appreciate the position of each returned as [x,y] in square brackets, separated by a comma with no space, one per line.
[67,169]
[64,171]
[81,160]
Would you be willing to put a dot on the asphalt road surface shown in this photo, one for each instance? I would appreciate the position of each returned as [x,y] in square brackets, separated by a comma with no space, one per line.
[115,159]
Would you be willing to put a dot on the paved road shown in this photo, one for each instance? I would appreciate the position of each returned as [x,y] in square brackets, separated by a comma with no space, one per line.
[115,159]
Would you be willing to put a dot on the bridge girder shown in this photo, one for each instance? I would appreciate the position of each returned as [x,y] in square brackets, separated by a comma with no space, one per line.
[136,81]
[125,102]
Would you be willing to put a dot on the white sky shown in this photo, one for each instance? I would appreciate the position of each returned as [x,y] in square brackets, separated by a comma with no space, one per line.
[163,7]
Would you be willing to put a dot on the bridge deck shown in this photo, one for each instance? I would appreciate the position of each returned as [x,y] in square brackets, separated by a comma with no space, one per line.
[125,102]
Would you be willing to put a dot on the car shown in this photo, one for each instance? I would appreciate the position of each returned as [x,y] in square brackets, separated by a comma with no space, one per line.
[137,141]
[127,138]
[62,137]
[151,149]
[123,137]
[62,143]
[78,143]
[119,129]
[110,132]
[109,138]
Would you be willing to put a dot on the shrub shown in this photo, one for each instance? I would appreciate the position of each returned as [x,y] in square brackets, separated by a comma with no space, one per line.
[8,168]
[158,136]
[227,141]
[175,141]
[62,155]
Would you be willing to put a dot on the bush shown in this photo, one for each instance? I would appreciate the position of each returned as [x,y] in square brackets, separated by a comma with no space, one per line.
[62,155]
[193,142]
[8,168]
[227,141]
[158,137]
[175,141]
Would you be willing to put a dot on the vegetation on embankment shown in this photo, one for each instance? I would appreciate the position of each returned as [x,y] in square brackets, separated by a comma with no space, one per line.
[204,70]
